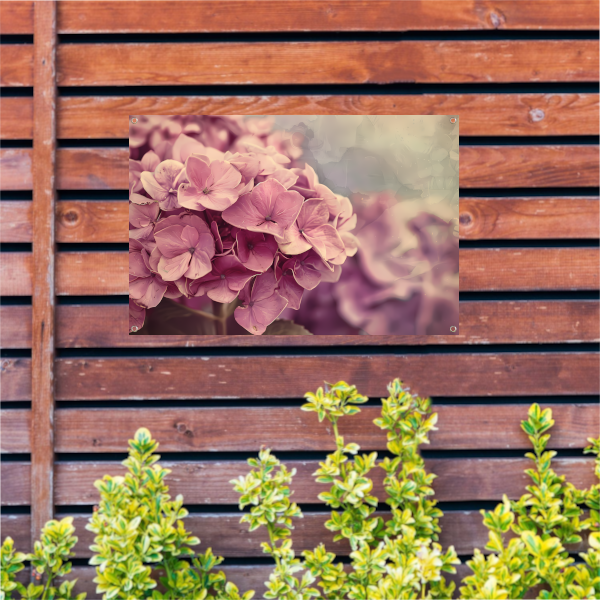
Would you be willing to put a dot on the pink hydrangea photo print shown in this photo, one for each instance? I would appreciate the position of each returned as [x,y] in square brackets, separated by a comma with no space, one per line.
[293,225]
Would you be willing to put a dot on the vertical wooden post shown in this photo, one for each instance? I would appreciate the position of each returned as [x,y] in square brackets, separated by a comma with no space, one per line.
[42,346]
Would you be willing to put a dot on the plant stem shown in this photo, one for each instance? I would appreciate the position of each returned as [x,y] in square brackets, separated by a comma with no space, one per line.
[220,312]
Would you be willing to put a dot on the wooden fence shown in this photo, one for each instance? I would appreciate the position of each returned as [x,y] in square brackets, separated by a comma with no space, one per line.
[523,78]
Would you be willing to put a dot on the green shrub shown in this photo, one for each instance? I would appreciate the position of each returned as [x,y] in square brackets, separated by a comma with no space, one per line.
[142,549]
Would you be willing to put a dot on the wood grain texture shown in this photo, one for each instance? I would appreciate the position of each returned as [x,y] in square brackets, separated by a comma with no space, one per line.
[16,431]
[17,65]
[529,269]
[529,218]
[42,276]
[480,218]
[16,485]
[16,379]
[16,17]
[16,326]
[92,273]
[480,167]
[92,221]
[481,269]
[92,168]
[290,429]
[529,166]
[481,114]
[16,114]
[256,377]
[15,274]
[458,480]
[327,62]
[335,15]
[15,168]
[504,322]
[15,221]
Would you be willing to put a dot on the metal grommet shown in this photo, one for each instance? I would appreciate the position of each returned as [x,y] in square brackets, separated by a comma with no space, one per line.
[453,328]
[134,120]
[453,120]
[134,329]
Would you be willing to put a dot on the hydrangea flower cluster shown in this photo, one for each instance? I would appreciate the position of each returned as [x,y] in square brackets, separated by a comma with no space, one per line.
[238,225]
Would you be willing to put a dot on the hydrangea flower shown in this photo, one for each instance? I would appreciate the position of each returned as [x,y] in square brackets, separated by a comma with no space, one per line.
[214,215]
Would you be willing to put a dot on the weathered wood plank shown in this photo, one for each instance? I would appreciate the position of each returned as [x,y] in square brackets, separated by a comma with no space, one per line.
[92,221]
[16,379]
[17,65]
[480,218]
[509,373]
[327,62]
[105,273]
[16,326]
[15,221]
[458,479]
[510,322]
[481,114]
[480,166]
[16,485]
[16,17]
[15,168]
[16,431]
[529,218]
[290,429]
[382,15]
[529,269]
[16,114]
[528,166]
[93,168]
[42,276]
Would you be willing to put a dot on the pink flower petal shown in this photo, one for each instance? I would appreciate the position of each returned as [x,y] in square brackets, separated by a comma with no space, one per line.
[137,265]
[166,174]
[264,286]
[326,241]
[137,314]
[294,242]
[169,241]
[141,216]
[150,161]
[189,236]
[197,172]
[313,214]
[173,268]
[267,310]
[184,146]
[190,197]
[200,265]
[290,289]
[156,191]
[243,214]
[148,292]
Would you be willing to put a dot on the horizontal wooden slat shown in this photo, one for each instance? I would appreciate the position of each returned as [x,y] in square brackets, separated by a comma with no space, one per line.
[15,168]
[480,166]
[92,168]
[16,483]
[528,166]
[458,479]
[529,269]
[289,429]
[297,15]
[286,377]
[529,218]
[76,221]
[485,322]
[16,378]
[326,62]
[16,115]
[16,431]
[17,65]
[480,218]
[227,537]
[15,221]
[92,221]
[336,15]
[480,114]
[481,269]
